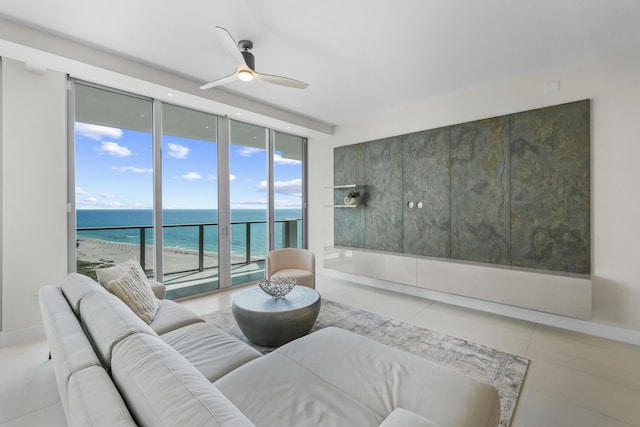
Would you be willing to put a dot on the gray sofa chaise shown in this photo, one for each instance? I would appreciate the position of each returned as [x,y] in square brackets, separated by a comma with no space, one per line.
[113,369]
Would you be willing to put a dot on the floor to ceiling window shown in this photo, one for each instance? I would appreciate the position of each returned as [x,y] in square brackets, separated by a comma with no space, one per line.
[225,191]
[288,190]
[249,198]
[189,201]
[113,179]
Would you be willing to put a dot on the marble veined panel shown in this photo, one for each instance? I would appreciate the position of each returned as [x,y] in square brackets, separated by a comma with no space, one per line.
[426,180]
[348,168]
[550,196]
[383,177]
[480,191]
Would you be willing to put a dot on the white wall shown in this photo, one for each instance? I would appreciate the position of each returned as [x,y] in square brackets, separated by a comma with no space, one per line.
[613,84]
[34,169]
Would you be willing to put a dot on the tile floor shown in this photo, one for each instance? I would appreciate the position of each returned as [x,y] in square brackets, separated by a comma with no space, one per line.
[574,380]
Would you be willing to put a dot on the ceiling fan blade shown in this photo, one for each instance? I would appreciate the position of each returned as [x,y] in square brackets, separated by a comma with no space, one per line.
[230,78]
[230,45]
[282,81]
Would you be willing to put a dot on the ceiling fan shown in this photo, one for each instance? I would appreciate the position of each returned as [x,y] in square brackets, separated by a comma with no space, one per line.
[245,64]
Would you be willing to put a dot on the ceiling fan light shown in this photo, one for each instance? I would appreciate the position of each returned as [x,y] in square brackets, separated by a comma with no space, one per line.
[245,76]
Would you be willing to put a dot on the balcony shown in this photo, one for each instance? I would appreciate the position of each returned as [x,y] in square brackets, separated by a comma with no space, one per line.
[191,267]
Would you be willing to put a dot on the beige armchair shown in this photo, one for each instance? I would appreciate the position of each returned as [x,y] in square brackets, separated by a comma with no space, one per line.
[293,262]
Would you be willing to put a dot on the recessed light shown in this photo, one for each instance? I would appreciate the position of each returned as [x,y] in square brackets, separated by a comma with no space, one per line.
[169,94]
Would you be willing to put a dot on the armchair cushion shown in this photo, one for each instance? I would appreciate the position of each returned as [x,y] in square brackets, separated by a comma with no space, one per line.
[294,262]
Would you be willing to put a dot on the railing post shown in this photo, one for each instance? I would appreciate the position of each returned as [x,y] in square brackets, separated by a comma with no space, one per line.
[143,245]
[290,234]
[248,244]
[201,247]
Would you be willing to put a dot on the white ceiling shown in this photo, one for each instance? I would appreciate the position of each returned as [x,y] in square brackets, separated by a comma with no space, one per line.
[360,57]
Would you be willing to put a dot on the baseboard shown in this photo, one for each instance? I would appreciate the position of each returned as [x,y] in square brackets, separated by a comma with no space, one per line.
[585,326]
[22,335]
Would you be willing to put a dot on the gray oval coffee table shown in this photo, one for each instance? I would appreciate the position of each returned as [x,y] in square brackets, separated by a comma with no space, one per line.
[271,322]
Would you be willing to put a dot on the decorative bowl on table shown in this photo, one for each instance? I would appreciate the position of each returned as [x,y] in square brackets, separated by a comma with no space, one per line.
[278,286]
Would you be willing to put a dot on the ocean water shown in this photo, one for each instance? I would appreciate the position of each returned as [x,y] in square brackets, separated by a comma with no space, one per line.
[181,227]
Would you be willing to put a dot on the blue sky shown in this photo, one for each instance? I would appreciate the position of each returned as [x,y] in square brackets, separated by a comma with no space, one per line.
[114,169]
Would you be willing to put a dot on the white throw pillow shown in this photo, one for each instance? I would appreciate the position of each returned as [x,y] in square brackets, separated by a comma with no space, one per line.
[134,290]
[105,275]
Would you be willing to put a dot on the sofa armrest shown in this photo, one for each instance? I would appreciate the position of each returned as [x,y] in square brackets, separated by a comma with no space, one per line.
[404,418]
[158,289]
[94,400]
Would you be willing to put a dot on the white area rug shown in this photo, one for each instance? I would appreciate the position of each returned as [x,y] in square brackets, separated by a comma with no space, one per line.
[503,370]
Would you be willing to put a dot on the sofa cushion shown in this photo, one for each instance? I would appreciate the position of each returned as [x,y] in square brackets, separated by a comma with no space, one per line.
[107,321]
[94,400]
[172,315]
[303,399]
[150,374]
[374,375]
[70,349]
[76,286]
[134,290]
[403,418]
[409,382]
[212,351]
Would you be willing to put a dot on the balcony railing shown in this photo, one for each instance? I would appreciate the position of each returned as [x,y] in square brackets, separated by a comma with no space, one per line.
[289,239]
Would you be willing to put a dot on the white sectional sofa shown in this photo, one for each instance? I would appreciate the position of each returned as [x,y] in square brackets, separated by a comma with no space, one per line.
[114,369]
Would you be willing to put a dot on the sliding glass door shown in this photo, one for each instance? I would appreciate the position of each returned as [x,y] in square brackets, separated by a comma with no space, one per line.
[198,199]
[189,201]
[113,179]
[249,198]
[288,190]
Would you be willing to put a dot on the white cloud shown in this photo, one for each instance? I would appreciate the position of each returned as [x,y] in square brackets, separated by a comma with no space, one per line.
[92,201]
[114,149]
[132,169]
[112,205]
[190,176]
[260,203]
[80,191]
[97,132]
[288,204]
[232,177]
[95,203]
[255,202]
[178,151]
[292,188]
[249,151]
[108,195]
[278,159]
[89,201]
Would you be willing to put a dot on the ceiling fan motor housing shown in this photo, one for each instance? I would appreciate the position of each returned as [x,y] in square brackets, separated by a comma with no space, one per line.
[246,45]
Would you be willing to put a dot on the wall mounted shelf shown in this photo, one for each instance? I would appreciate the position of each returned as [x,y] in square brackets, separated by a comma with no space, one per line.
[345,186]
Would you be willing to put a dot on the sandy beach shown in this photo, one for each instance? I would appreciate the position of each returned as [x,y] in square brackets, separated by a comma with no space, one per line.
[97,253]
